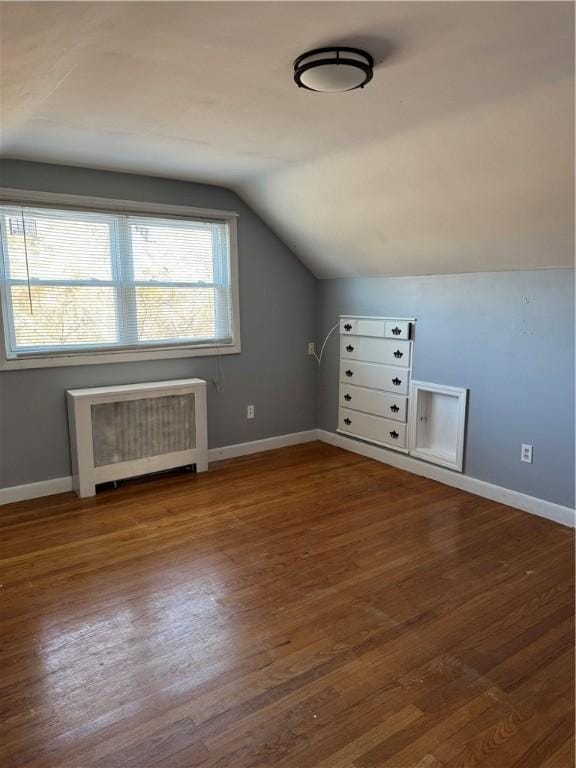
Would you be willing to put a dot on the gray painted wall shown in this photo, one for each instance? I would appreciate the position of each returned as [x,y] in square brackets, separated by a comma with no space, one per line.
[509,337]
[273,371]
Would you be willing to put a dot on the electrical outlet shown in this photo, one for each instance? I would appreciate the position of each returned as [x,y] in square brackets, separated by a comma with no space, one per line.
[311,348]
[526,454]
[250,412]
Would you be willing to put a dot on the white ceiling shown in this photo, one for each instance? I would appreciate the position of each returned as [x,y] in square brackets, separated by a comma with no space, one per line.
[457,157]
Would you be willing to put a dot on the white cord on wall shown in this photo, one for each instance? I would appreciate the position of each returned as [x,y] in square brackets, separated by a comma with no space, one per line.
[218,381]
[330,332]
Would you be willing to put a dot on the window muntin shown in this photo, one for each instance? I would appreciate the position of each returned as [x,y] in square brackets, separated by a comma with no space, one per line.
[82,281]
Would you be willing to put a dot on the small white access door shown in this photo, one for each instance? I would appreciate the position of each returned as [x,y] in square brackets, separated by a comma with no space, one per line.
[436,423]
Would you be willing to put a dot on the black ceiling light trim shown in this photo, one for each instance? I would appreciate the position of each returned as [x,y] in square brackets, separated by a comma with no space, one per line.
[334,56]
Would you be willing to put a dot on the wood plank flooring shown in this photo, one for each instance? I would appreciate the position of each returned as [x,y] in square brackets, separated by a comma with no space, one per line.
[303,608]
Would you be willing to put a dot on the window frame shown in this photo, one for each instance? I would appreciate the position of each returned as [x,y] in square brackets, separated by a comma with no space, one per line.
[108,355]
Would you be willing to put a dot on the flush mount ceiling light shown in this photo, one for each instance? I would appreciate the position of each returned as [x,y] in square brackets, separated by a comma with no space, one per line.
[330,70]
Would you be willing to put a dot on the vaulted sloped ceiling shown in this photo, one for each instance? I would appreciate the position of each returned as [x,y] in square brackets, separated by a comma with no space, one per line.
[457,157]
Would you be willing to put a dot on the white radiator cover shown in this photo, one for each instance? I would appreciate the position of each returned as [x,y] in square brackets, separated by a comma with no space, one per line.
[124,431]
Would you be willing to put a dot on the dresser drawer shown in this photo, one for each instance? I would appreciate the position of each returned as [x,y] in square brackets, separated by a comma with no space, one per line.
[374,402]
[362,327]
[368,326]
[375,376]
[397,329]
[373,428]
[373,350]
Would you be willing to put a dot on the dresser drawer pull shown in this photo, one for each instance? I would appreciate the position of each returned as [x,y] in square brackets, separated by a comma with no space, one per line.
[347,421]
[398,354]
[349,348]
[348,327]
[351,373]
[396,331]
[394,408]
[394,434]
[348,397]
[396,381]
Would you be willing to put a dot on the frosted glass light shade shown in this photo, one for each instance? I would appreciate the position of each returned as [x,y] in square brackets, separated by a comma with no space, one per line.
[332,70]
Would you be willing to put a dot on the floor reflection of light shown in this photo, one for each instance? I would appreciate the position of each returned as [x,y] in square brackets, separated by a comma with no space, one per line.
[115,651]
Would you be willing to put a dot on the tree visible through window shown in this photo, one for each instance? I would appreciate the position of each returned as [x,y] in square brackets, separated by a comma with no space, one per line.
[88,280]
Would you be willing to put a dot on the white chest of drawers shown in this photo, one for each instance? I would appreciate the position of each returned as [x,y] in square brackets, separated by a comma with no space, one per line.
[375,371]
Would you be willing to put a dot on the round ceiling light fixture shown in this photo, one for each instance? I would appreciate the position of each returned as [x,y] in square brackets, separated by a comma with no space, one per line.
[332,70]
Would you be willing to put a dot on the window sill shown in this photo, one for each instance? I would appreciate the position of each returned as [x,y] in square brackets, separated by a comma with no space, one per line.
[122,356]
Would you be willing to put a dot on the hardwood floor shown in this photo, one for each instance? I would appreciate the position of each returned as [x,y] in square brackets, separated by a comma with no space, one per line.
[303,608]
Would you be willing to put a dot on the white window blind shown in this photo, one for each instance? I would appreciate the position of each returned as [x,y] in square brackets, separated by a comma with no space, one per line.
[89,281]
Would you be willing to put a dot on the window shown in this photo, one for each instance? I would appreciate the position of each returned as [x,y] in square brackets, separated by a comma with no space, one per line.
[78,282]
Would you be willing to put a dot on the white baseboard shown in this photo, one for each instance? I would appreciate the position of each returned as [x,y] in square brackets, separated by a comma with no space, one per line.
[540,507]
[64,484]
[267,444]
[35,490]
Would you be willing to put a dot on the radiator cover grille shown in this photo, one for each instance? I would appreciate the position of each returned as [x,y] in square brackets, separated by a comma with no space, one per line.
[128,430]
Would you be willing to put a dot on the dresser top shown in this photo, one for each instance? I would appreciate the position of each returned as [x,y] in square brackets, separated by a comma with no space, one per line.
[377,317]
